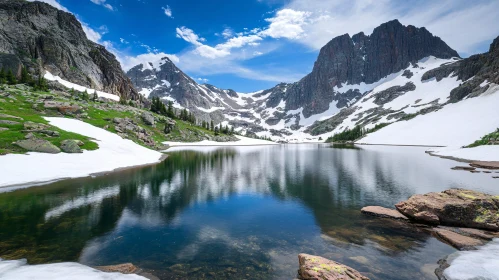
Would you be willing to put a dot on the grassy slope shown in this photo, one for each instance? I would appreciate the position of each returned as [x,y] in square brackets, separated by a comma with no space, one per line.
[21,106]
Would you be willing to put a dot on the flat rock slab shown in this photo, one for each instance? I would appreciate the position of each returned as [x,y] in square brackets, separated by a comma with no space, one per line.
[454,207]
[5,116]
[476,233]
[486,164]
[3,129]
[383,212]
[315,267]
[457,240]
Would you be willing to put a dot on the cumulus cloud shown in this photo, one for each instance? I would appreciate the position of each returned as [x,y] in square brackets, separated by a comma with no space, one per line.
[287,23]
[103,3]
[460,24]
[227,33]
[168,11]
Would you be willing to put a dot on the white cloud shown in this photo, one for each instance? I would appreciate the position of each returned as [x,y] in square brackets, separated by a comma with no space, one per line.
[189,36]
[103,3]
[287,23]
[123,41]
[227,33]
[53,3]
[168,11]
[458,22]
[202,80]
[92,35]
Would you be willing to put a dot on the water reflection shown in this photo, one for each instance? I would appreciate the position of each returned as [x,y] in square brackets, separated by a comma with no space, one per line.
[238,213]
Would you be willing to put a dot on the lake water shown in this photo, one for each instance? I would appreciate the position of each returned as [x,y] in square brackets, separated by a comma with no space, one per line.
[239,213]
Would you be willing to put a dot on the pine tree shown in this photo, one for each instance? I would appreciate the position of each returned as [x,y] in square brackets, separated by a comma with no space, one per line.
[95,96]
[169,111]
[216,130]
[232,130]
[25,77]
[3,76]
[11,79]
[212,126]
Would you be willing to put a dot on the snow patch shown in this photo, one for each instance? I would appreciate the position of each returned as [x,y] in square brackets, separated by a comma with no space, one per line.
[67,84]
[20,270]
[114,152]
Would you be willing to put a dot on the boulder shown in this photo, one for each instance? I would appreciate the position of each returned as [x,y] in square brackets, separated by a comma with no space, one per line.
[5,116]
[3,129]
[63,107]
[315,268]
[454,207]
[457,240]
[38,145]
[70,146]
[148,118]
[383,212]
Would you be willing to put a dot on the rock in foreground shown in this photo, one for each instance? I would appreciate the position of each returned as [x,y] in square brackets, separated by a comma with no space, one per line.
[454,207]
[38,145]
[314,267]
[383,212]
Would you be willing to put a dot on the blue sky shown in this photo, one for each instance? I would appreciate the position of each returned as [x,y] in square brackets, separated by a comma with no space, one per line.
[249,45]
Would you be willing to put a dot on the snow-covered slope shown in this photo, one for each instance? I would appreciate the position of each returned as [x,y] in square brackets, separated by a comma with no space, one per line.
[114,152]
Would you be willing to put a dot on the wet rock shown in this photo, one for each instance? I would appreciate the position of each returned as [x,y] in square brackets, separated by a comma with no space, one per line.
[383,212]
[7,122]
[38,145]
[315,267]
[457,240]
[466,168]
[454,207]
[70,146]
[486,164]
[148,118]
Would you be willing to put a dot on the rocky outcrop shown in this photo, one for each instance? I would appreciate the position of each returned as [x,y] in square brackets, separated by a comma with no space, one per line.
[43,37]
[454,207]
[315,268]
[71,146]
[473,71]
[457,240]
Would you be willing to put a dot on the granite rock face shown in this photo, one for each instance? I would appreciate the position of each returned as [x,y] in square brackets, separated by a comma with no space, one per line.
[43,37]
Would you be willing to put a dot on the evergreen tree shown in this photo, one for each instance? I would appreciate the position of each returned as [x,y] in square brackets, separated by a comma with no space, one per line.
[95,96]
[25,77]
[84,95]
[11,79]
[216,130]
[169,111]
[2,75]
[232,130]
[212,126]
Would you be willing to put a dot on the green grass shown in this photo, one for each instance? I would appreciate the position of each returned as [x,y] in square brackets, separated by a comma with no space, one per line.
[485,139]
[19,107]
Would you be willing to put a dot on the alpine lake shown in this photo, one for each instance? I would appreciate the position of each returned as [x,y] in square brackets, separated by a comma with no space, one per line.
[239,212]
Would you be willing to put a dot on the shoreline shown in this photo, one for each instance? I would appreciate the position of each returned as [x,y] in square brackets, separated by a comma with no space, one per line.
[8,188]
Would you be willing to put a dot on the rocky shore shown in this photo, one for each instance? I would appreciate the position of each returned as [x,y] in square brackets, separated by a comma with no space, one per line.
[464,219]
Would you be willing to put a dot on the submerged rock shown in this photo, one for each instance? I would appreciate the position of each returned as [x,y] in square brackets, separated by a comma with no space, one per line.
[315,267]
[383,212]
[38,145]
[454,207]
[124,268]
[457,240]
[486,164]
[466,168]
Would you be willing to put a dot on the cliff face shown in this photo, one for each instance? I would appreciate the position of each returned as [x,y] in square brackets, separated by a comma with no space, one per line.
[362,59]
[43,37]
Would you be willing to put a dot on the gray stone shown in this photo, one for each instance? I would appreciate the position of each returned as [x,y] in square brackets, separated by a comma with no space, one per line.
[29,125]
[3,129]
[148,118]
[38,145]
[7,122]
[5,116]
[70,146]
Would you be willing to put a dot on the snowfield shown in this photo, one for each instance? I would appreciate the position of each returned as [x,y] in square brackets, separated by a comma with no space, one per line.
[114,152]
[20,270]
[243,141]
[478,264]
[76,87]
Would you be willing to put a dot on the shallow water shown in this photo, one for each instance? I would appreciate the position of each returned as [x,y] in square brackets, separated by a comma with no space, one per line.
[239,213]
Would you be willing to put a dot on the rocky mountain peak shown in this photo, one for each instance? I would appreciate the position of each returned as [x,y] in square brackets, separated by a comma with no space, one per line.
[45,38]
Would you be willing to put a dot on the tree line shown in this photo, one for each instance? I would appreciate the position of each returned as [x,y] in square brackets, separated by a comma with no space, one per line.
[8,77]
